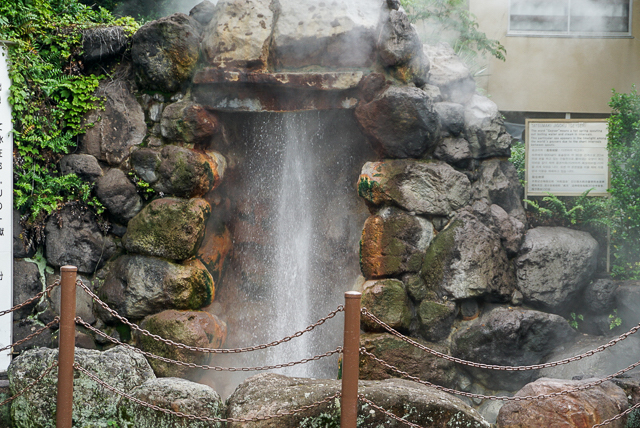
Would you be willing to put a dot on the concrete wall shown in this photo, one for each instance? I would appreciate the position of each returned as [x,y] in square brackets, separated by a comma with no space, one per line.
[556,74]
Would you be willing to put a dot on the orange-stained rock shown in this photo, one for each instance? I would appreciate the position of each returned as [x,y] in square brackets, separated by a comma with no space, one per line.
[214,250]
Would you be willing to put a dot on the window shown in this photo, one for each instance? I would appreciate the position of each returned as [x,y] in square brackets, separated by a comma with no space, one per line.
[587,18]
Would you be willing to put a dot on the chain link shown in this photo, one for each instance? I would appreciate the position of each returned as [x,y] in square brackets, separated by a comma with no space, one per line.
[388,413]
[204,366]
[618,416]
[33,299]
[31,336]
[197,348]
[433,352]
[202,418]
[31,385]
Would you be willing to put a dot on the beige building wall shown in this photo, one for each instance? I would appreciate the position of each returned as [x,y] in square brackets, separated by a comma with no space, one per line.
[556,74]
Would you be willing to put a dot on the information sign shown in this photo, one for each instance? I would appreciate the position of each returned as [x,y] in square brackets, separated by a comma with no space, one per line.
[566,157]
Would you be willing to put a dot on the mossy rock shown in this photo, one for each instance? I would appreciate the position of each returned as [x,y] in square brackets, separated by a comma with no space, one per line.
[436,319]
[387,300]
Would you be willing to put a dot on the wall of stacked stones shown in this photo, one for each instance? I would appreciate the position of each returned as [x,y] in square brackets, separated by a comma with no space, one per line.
[445,253]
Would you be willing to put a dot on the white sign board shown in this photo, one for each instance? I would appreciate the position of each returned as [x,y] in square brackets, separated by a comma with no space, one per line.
[566,157]
[6,211]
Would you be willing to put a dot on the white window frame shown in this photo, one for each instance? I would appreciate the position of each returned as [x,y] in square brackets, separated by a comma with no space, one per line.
[572,34]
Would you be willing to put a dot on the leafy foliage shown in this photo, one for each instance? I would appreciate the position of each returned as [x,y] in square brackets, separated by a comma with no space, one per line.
[49,96]
[580,212]
[518,159]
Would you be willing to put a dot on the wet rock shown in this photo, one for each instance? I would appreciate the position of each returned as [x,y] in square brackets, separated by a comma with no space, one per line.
[240,34]
[509,336]
[436,319]
[103,43]
[188,122]
[554,265]
[628,303]
[400,122]
[450,74]
[510,230]
[310,33]
[421,187]
[215,249]
[119,195]
[86,167]
[467,259]
[169,227]
[117,128]
[498,183]
[261,394]
[599,295]
[74,238]
[393,242]
[484,129]
[26,326]
[120,367]
[405,357]
[581,409]
[165,52]
[179,395]
[22,246]
[455,151]
[137,286]
[387,300]
[203,12]
[193,328]
[27,282]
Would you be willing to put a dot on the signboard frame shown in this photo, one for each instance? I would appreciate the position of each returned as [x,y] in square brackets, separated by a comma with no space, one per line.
[528,168]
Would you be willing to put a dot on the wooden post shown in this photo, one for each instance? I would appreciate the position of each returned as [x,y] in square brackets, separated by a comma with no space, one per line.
[350,360]
[66,346]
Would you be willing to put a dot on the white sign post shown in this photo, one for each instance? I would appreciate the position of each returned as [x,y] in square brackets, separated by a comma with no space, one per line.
[566,157]
[6,211]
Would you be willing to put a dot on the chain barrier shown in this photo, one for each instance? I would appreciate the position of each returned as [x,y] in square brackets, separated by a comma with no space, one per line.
[32,335]
[31,385]
[435,353]
[33,299]
[387,413]
[88,326]
[197,348]
[201,418]
[618,416]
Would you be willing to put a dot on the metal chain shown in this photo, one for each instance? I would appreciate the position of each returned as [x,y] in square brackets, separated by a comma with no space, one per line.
[204,366]
[197,348]
[388,413]
[33,299]
[433,352]
[32,335]
[618,416]
[583,387]
[31,385]
[202,418]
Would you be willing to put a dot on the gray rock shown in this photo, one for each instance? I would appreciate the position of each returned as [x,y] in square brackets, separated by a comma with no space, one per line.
[628,303]
[509,336]
[74,238]
[27,282]
[176,394]
[554,265]
[5,411]
[311,33]
[203,12]
[85,167]
[27,326]
[22,246]
[436,319]
[145,162]
[599,296]
[456,151]
[450,74]
[421,187]
[165,52]
[188,122]
[239,34]
[498,183]
[466,260]
[452,117]
[137,286]
[117,128]
[400,122]
[262,394]
[484,129]
[103,43]
[119,195]
[95,405]
[49,307]
[510,230]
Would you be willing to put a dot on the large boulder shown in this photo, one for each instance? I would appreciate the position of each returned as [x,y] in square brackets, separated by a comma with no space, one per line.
[311,33]
[580,409]
[188,122]
[498,183]
[239,34]
[509,337]
[170,228]
[27,282]
[271,393]
[421,187]
[165,52]
[178,395]
[192,328]
[554,265]
[387,300]
[203,12]
[450,74]
[484,129]
[117,128]
[393,242]
[119,195]
[73,237]
[95,405]
[137,286]
[400,122]
[467,259]
[627,297]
